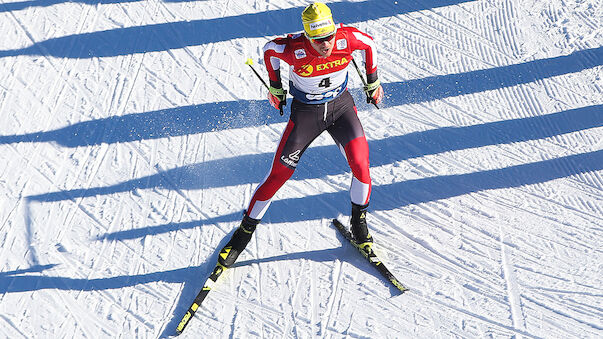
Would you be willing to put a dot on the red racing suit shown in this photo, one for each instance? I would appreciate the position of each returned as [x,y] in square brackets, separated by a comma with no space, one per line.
[320,102]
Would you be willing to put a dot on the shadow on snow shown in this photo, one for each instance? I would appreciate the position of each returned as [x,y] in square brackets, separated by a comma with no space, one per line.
[23,281]
[17,281]
[218,116]
[399,194]
[167,36]
[21,5]
[246,169]
[386,197]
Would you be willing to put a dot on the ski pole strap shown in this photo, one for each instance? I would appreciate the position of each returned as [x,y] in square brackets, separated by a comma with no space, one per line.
[372,86]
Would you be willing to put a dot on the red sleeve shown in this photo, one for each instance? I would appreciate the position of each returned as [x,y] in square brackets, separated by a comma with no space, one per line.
[275,51]
[364,42]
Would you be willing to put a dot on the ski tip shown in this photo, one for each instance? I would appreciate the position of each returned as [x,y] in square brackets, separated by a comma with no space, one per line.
[249,61]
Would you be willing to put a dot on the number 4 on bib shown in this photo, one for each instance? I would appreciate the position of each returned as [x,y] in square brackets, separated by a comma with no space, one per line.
[326,83]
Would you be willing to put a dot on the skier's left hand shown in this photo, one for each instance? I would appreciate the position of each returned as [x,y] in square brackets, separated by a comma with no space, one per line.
[374,92]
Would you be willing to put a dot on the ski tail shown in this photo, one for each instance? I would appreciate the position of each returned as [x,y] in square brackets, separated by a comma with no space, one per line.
[190,313]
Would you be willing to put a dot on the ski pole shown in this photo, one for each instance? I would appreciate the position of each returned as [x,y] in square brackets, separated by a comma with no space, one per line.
[249,62]
[368,99]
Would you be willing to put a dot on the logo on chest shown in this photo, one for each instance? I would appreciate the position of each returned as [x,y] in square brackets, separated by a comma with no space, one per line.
[300,53]
[308,70]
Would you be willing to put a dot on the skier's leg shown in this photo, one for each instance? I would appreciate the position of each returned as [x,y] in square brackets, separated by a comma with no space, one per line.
[278,174]
[357,154]
[349,135]
[298,134]
[260,201]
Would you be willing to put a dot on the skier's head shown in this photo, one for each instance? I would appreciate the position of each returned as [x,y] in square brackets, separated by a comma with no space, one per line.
[319,28]
[318,21]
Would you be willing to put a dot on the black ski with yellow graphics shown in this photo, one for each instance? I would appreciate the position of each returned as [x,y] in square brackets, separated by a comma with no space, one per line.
[218,270]
[370,255]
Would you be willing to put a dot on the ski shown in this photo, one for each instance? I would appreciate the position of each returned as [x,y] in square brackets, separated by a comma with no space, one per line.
[370,256]
[215,274]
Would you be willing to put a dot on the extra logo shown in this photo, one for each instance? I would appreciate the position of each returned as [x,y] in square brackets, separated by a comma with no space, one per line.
[292,159]
[308,70]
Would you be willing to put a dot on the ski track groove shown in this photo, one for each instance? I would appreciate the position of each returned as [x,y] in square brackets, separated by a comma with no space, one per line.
[73,84]
[79,207]
[546,140]
[526,191]
[336,277]
[565,314]
[494,49]
[518,318]
[80,315]
[513,293]
[451,265]
[11,85]
[98,160]
[293,299]
[513,296]
[474,316]
[251,306]
[510,205]
[423,28]
[523,189]
[102,293]
[13,327]
[51,182]
[494,290]
[456,28]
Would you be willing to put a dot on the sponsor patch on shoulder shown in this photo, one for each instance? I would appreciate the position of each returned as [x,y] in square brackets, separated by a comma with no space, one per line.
[342,44]
[300,53]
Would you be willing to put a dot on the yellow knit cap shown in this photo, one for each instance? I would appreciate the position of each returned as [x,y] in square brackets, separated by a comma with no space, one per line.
[318,21]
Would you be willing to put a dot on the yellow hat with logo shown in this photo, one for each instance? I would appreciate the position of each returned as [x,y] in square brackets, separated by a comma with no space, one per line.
[318,21]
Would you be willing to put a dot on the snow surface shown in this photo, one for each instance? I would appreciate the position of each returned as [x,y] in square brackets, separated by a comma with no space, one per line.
[132,135]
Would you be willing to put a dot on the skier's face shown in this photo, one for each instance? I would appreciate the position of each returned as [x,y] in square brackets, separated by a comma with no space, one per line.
[324,46]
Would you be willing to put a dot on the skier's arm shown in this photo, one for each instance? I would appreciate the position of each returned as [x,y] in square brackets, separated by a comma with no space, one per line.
[274,51]
[368,49]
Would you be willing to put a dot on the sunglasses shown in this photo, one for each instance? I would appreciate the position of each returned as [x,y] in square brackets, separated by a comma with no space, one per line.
[323,39]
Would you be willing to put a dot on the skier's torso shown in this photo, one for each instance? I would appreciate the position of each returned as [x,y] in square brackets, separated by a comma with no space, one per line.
[315,79]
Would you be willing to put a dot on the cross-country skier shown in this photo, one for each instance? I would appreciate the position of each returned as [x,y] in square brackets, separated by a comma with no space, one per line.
[318,60]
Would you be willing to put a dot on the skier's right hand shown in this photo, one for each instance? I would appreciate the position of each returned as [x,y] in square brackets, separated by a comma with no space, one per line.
[277,97]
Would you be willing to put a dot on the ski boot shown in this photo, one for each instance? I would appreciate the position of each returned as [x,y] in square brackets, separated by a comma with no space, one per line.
[238,242]
[359,229]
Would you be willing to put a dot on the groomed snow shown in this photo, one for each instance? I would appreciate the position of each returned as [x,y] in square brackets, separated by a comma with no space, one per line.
[132,135]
